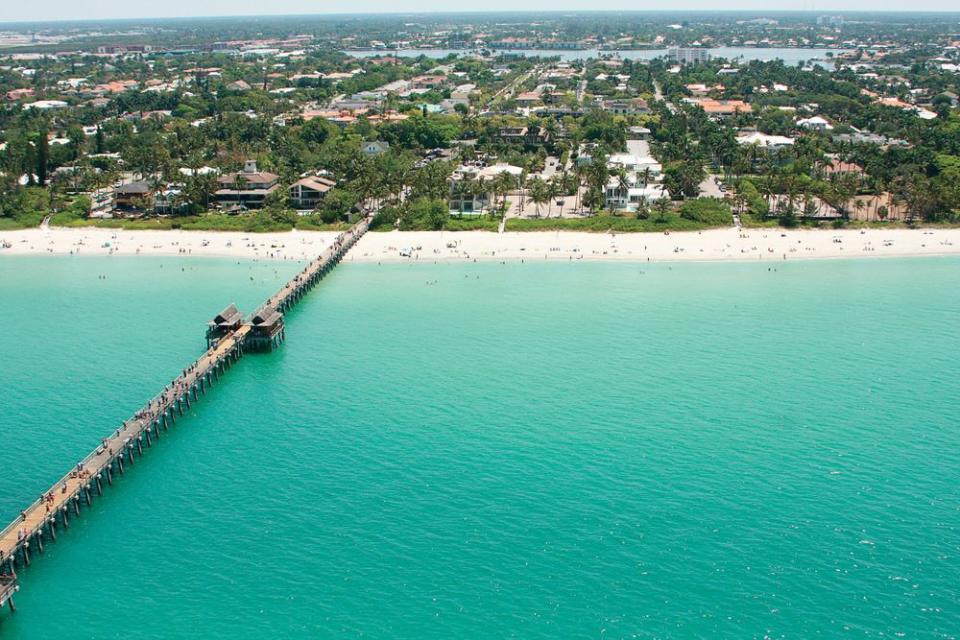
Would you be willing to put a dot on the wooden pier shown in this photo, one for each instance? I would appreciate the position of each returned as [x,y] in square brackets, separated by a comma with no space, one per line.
[228,338]
[8,587]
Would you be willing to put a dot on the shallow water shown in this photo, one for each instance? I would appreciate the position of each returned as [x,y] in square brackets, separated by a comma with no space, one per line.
[482,450]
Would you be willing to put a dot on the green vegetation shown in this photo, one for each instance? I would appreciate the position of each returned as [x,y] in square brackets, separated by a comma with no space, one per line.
[259,222]
[411,136]
[22,208]
[475,223]
[136,224]
[76,212]
[603,223]
[426,214]
[709,211]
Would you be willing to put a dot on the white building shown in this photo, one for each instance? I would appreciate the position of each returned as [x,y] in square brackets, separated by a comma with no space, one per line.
[46,104]
[634,182]
[477,200]
[688,55]
[635,164]
[632,198]
[816,123]
[764,141]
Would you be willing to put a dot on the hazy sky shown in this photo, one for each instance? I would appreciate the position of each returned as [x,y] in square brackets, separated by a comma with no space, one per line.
[13,10]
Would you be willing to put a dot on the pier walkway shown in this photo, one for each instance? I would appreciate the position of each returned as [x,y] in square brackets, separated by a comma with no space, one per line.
[291,292]
[227,343]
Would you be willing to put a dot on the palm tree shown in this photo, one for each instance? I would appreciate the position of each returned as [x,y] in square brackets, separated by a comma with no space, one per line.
[482,189]
[502,185]
[579,172]
[553,190]
[599,173]
[461,189]
[623,184]
[858,205]
[568,184]
[643,209]
[156,185]
[522,186]
[593,199]
[661,206]
[200,188]
[239,181]
[539,193]
[179,201]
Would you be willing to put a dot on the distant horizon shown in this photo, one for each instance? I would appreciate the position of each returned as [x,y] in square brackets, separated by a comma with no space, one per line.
[103,14]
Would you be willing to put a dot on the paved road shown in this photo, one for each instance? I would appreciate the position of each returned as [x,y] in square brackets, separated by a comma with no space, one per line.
[551,167]
[658,94]
[582,86]
[511,87]
[709,187]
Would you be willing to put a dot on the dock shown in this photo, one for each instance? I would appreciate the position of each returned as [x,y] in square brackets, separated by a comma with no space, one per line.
[229,336]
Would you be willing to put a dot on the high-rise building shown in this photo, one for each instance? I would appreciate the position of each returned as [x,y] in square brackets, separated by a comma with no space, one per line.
[689,55]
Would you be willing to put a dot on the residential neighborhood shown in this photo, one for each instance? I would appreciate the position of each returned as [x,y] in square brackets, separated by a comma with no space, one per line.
[493,122]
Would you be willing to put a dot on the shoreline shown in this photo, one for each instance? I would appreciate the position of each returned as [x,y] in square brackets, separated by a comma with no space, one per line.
[713,245]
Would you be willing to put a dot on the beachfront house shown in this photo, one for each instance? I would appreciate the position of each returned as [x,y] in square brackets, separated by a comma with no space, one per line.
[632,196]
[812,208]
[306,193]
[134,196]
[170,201]
[640,165]
[247,189]
[633,182]
[472,187]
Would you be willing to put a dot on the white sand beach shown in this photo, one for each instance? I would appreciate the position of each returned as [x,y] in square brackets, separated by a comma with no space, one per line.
[92,241]
[714,244]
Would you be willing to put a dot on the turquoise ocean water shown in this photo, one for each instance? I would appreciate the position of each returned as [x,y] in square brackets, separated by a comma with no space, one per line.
[497,451]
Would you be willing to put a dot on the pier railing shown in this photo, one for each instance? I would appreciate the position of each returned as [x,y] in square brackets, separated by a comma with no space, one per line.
[288,295]
[40,520]
[267,323]
[41,515]
[8,586]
